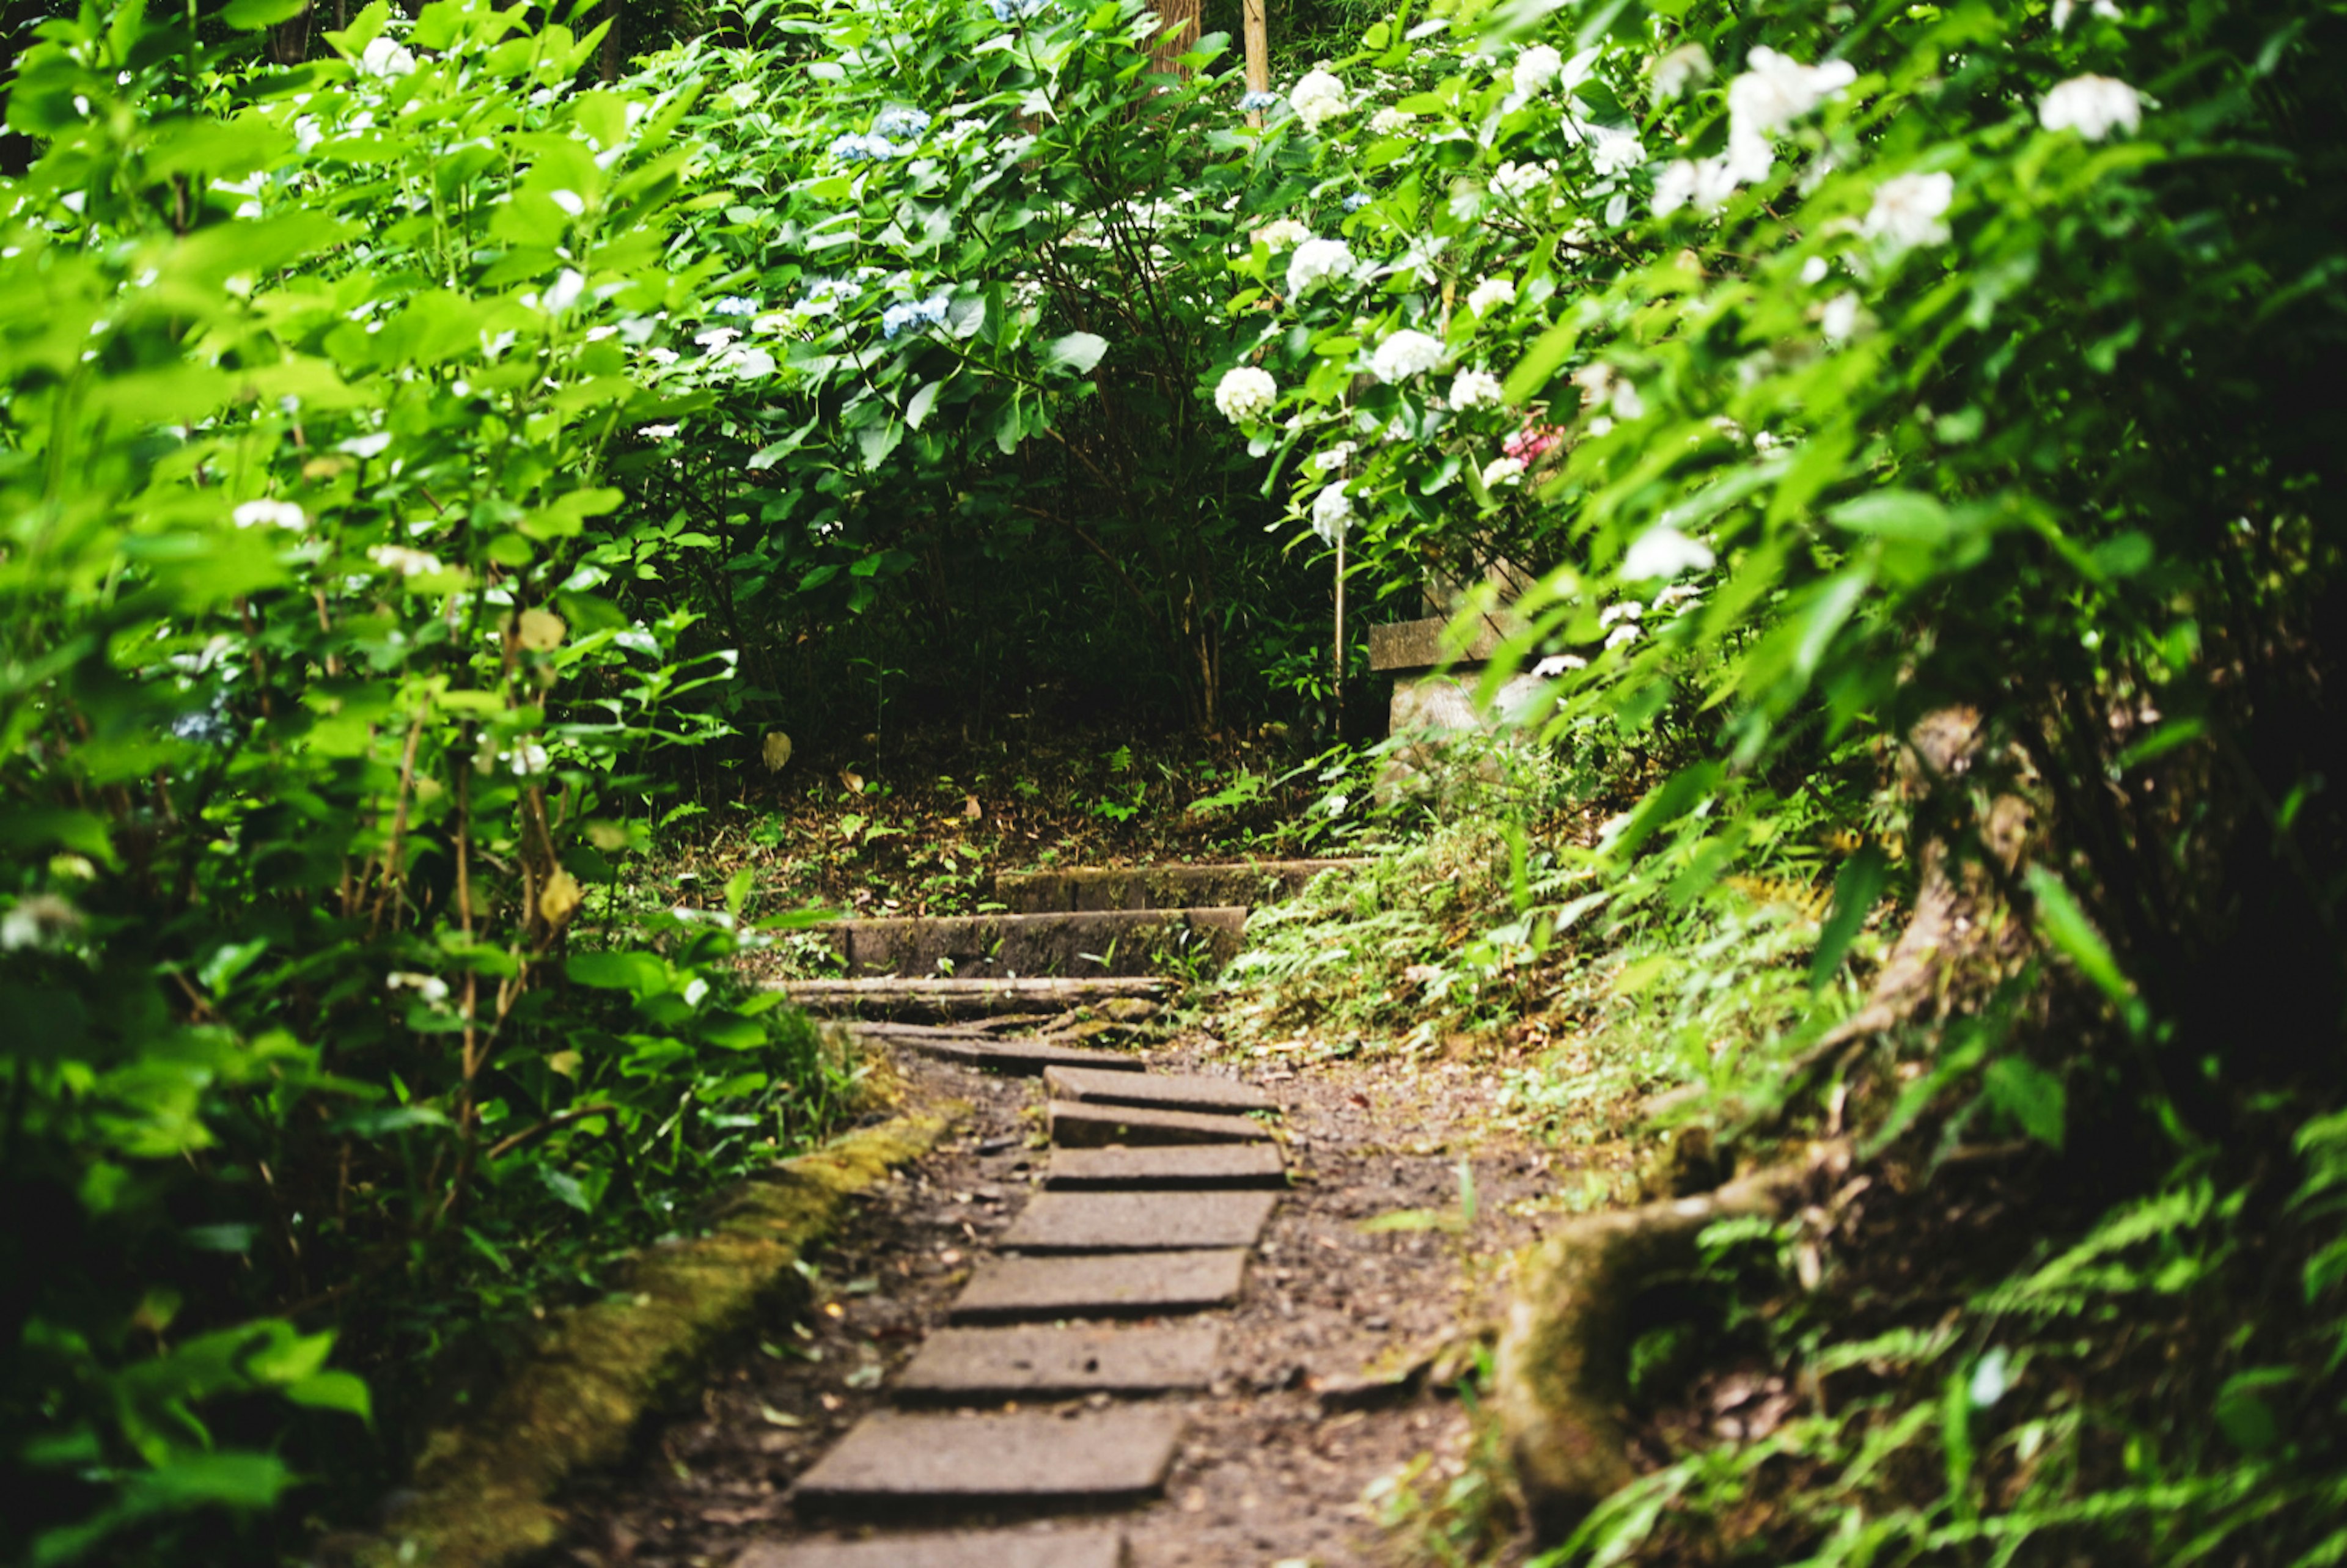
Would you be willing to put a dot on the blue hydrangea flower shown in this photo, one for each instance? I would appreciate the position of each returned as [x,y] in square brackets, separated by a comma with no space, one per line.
[853,148]
[1256,103]
[1016,10]
[906,314]
[1357,200]
[901,125]
[735,305]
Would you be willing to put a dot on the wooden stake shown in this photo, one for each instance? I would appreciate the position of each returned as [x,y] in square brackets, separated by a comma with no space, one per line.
[1258,53]
[1338,725]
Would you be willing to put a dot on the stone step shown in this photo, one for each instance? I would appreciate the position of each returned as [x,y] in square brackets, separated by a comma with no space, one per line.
[1158,887]
[1171,1167]
[1158,1091]
[894,1464]
[1120,1284]
[1139,1222]
[1109,942]
[971,1364]
[936,996]
[1078,1124]
[962,1549]
[1016,1056]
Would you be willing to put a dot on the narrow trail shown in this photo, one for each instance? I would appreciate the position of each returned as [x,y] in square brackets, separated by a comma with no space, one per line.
[1058,1342]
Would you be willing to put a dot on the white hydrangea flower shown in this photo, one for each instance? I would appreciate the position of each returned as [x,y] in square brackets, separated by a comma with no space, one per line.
[1813,270]
[1620,635]
[403,560]
[564,292]
[1316,261]
[1332,513]
[384,57]
[1517,181]
[1603,386]
[1683,68]
[1246,394]
[2093,106]
[1839,319]
[1318,98]
[1502,471]
[528,760]
[1536,68]
[432,989]
[1404,354]
[1705,184]
[1390,122]
[1629,610]
[1475,389]
[1333,458]
[1283,233]
[1664,551]
[1615,151]
[1908,208]
[274,514]
[1491,293]
[1774,91]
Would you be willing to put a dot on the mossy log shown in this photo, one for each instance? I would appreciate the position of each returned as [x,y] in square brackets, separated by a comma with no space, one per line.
[1563,1355]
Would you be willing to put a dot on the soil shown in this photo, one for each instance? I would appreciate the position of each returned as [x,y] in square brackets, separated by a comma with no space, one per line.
[1340,1363]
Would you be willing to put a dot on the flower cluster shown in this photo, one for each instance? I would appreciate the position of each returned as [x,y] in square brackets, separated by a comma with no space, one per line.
[1358,200]
[1318,98]
[2093,106]
[1315,262]
[382,58]
[403,560]
[1246,394]
[1404,354]
[1907,209]
[901,126]
[1256,103]
[1774,91]
[851,148]
[735,305]
[1475,389]
[907,314]
[1491,293]
[1332,513]
[1283,233]
[276,514]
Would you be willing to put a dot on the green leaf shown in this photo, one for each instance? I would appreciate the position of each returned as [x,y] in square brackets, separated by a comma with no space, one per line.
[2064,923]
[346,1391]
[2030,1097]
[1533,372]
[252,16]
[1076,354]
[1856,889]
[641,973]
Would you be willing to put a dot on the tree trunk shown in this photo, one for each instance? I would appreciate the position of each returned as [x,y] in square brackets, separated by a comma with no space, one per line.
[1178,29]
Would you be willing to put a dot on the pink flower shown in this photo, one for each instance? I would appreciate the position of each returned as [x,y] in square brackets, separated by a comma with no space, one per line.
[1530,444]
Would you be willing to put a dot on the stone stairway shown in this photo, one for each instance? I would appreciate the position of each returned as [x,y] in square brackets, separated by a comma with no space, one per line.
[1070,930]
[1046,1393]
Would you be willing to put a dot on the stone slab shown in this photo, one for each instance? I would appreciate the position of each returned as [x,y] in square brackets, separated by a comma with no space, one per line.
[962,1549]
[1077,1124]
[1157,886]
[1122,1284]
[1404,645]
[892,1464]
[1010,1055]
[1139,1222]
[1159,1092]
[1109,942]
[1171,1167]
[1058,1362]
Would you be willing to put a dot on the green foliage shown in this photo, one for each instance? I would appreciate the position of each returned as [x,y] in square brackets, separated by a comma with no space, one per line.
[333,669]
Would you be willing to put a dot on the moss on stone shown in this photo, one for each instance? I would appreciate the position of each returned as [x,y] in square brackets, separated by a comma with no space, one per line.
[484,1490]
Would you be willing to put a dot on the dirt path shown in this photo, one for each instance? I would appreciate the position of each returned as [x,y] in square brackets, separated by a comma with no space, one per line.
[1281,1459]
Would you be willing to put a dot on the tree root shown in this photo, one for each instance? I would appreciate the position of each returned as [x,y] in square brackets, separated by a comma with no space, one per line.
[1563,1354]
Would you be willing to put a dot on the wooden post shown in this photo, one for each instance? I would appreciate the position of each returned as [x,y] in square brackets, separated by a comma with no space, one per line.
[1337,724]
[1259,46]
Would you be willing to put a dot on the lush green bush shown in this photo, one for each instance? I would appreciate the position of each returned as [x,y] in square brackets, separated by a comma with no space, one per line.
[334,680]
[1829,368]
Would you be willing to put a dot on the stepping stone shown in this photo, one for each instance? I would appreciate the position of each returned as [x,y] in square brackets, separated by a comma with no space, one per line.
[1077,1124]
[936,996]
[1014,1057]
[963,1549]
[1157,886]
[1107,942]
[968,1364]
[1122,1284]
[892,1464]
[1158,1091]
[1166,1168]
[1139,1222]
